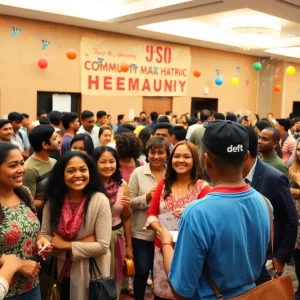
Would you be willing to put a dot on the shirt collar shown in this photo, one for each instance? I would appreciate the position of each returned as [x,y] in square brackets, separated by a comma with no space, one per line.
[147,170]
[250,175]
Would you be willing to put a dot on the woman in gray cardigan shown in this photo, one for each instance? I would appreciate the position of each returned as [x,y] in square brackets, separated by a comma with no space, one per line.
[77,220]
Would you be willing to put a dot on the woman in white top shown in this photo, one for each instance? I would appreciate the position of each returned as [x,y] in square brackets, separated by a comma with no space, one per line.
[142,185]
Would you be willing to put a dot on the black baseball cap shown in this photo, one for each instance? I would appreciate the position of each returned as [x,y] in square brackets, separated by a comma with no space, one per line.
[225,138]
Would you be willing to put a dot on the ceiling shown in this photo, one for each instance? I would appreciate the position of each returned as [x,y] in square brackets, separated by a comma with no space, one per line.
[191,22]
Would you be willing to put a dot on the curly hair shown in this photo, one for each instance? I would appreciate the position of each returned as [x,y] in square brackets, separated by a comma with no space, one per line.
[128,145]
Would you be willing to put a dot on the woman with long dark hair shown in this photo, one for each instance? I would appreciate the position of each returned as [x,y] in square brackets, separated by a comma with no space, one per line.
[77,219]
[182,184]
[82,142]
[116,189]
[19,225]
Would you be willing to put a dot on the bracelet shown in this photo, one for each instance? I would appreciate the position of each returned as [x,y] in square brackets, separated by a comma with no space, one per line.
[164,244]
[129,249]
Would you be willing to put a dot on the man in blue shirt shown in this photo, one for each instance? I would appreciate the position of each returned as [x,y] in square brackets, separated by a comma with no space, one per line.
[226,231]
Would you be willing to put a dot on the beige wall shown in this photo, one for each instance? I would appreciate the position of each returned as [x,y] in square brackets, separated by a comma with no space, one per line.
[20,78]
[292,92]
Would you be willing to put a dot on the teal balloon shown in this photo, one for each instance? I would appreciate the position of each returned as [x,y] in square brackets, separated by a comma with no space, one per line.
[257,66]
[219,81]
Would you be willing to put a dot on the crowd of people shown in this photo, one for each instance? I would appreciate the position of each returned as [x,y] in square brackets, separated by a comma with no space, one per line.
[184,198]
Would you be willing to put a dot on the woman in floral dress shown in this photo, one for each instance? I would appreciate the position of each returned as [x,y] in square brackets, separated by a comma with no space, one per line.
[19,225]
[182,185]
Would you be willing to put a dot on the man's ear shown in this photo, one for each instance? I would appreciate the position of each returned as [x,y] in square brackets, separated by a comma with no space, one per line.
[45,146]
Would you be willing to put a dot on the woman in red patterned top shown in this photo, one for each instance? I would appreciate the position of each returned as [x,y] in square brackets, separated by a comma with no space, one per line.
[19,225]
[182,185]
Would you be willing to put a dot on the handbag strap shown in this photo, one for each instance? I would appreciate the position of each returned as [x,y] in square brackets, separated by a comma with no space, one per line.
[93,267]
[214,287]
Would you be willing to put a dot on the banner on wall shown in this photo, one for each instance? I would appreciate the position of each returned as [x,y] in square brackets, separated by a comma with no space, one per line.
[125,67]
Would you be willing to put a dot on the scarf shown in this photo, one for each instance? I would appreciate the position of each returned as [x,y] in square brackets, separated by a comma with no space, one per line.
[69,222]
[68,226]
[111,189]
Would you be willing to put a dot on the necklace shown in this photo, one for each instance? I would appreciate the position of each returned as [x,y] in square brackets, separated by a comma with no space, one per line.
[230,183]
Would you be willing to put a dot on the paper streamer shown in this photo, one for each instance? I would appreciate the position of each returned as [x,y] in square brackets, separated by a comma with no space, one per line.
[263,83]
[100,61]
[45,44]
[247,83]
[15,31]
[218,72]
[299,90]
[277,70]
[238,69]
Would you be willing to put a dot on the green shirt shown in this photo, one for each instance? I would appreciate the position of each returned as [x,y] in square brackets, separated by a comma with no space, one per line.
[277,163]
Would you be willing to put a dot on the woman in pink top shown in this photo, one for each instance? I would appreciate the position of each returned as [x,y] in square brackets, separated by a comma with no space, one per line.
[108,166]
[129,149]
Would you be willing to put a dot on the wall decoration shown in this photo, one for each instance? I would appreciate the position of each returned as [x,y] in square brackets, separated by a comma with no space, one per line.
[71,54]
[234,81]
[277,88]
[45,44]
[196,73]
[43,63]
[290,70]
[133,68]
[219,81]
[15,31]
[257,66]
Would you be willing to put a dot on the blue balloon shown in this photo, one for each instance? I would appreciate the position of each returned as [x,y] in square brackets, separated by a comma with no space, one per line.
[219,81]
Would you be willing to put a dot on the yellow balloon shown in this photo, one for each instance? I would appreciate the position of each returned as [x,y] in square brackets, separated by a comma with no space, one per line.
[234,81]
[290,70]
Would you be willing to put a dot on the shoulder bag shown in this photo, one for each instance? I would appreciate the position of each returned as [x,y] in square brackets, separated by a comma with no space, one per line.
[102,288]
[279,288]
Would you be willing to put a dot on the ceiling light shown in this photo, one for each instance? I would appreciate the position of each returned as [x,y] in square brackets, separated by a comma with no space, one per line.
[253,31]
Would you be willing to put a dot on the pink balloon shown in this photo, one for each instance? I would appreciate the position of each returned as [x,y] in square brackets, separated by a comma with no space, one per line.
[43,63]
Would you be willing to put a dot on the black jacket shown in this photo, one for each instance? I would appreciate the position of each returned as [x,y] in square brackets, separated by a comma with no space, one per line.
[274,185]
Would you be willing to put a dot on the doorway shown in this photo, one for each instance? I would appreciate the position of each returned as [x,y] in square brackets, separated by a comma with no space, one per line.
[44,101]
[203,103]
[296,108]
[158,104]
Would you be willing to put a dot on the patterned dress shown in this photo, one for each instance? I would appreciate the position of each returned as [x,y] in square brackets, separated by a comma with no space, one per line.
[18,233]
[161,286]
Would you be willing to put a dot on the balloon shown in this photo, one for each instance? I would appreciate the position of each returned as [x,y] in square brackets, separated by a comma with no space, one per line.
[277,88]
[234,81]
[219,81]
[71,54]
[197,73]
[43,63]
[290,70]
[257,66]
[124,67]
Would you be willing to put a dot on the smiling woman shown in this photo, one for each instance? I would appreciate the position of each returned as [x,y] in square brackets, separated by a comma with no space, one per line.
[77,219]
[116,189]
[19,225]
[182,185]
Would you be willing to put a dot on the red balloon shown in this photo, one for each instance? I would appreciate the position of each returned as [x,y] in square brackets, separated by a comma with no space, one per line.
[43,63]
[124,67]
[71,54]
[197,73]
[277,88]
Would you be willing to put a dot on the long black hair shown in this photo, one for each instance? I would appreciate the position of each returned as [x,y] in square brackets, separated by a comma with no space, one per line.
[97,153]
[56,188]
[87,140]
[21,192]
